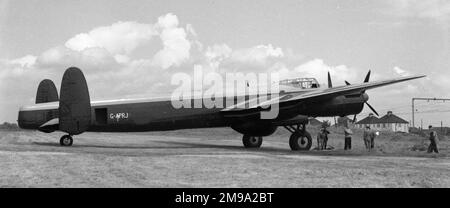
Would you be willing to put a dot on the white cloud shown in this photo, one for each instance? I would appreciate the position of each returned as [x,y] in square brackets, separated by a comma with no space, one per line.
[257,55]
[118,38]
[400,71]
[318,69]
[216,54]
[26,61]
[105,54]
[122,59]
[53,55]
[168,21]
[176,45]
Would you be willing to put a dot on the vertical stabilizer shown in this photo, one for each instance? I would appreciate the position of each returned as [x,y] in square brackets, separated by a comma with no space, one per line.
[46,92]
[74,103]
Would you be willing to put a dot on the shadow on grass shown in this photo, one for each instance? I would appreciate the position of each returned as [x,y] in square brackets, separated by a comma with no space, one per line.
[195,145]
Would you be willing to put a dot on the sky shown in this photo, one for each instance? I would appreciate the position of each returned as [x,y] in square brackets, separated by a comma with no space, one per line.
[132,48]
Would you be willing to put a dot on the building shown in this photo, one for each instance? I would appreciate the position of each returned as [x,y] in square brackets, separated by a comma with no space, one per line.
[370,120]
[389,122]
[315,122]
[394,123]
[344,122]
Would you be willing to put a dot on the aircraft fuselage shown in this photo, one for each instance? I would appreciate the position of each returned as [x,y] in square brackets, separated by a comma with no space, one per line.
[159,114]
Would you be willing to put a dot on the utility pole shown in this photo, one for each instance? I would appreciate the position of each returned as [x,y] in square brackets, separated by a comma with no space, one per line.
[427,99]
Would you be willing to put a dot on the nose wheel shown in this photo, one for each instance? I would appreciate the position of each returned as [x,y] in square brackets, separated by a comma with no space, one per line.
[66,140]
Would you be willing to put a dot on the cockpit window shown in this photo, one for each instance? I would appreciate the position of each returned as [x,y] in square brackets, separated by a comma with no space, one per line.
[303,83]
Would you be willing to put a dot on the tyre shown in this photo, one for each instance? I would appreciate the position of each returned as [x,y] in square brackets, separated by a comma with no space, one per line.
[252,141]
[300,141]
[66,140]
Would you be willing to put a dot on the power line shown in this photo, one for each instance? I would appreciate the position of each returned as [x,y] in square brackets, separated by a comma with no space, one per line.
[428,100]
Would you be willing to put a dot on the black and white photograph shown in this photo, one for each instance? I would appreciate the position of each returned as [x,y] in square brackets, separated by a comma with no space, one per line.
[224,94]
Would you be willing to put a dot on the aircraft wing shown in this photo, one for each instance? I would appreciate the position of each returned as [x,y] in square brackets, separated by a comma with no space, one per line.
[318,94]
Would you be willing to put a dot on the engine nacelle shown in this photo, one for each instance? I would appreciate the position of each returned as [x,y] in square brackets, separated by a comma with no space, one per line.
[255,128]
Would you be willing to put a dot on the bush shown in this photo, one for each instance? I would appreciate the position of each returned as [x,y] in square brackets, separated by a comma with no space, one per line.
[9,126]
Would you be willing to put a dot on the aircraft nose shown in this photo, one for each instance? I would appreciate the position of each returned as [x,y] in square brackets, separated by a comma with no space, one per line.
[365,97]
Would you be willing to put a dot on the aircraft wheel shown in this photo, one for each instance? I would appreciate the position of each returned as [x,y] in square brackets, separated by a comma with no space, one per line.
[300,141]
[66,140]
[252,141]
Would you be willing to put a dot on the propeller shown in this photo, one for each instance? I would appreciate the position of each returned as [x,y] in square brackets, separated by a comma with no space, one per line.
[365,81]
[330,85]
[371,108]
[367,77]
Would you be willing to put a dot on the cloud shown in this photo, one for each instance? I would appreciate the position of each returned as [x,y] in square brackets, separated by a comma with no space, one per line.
[318,69]
[105,55]
[175,42]
[122,38]
[400,71]
[26,61]
[216,54]
[438,10]
[259,54]
[118,38]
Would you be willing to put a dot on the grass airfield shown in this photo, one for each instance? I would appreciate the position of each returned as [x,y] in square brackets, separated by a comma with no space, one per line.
[216,158]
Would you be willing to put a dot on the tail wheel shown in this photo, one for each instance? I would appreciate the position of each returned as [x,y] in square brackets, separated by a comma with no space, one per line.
[252,141]
[66,140]
[300,141]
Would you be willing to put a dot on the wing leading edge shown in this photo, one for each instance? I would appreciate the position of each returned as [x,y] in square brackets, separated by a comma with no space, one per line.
[317,94]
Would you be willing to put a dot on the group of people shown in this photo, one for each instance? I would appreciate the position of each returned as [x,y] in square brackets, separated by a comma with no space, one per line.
[369,136]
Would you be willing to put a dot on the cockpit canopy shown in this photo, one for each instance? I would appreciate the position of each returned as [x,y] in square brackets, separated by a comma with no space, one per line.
[303,83]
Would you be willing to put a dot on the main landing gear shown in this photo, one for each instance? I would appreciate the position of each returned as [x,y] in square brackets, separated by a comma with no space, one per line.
[300,139]
[66,140]
[252,141]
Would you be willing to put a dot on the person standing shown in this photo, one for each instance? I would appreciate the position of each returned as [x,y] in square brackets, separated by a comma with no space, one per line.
[433,141]
[372,135]
[320,139]
[325,137]
[366,137]
[348,138]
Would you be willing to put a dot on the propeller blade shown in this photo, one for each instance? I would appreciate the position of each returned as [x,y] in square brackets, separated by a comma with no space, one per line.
[347,83]
[367,77]
[371,108]
[330,85]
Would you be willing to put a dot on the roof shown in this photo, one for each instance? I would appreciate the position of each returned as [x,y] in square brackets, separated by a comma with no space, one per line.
[314,122]
[371,119]
[388,118]
[391,118]
[343,119]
